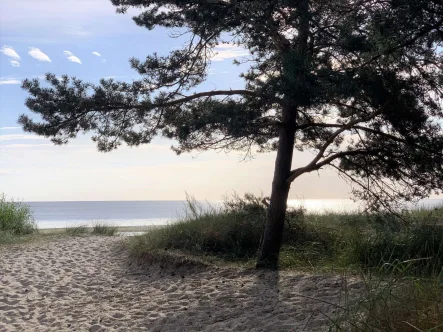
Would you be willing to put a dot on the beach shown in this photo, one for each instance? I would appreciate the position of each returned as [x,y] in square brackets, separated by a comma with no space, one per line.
[86,284]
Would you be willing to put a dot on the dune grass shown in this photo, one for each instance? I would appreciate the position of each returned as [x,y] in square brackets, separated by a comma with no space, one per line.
[331,240]
[98,228]
[104,229]
[394,301]
[77,230]
[15,220]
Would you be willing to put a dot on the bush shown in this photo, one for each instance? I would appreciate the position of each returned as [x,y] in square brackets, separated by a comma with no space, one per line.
[15,217]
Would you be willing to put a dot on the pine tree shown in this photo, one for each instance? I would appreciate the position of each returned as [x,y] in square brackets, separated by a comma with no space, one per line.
[357,82]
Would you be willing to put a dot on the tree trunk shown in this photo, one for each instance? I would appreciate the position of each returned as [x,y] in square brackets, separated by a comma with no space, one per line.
[272,238]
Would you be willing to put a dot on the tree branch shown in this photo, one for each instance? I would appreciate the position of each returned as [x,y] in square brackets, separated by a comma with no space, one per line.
[335,125]
[208,94]
[184,100]
[316,166]
[313,164]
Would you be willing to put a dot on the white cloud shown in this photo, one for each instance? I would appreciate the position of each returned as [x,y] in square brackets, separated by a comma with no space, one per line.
[228,51]
[10,52]
[9,81]
[9,128]
[99,55]
[72,57]
[13,137]
[38,55]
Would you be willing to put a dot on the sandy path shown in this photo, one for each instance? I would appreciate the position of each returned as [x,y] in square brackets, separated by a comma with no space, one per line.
[84,284]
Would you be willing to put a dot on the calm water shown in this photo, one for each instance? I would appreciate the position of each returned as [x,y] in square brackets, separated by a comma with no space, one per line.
[147,213]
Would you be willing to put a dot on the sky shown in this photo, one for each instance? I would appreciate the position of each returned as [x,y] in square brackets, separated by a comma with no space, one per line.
[87,39]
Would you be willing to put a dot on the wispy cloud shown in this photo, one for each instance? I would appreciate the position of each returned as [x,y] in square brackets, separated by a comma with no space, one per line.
[11,53]
[14,137]
[38,55]
[71,57]
[9,81]
[99,55]
[77,31]
[9,128]
[228,51]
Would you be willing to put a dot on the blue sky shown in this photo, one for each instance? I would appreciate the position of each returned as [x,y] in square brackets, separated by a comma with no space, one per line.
[87,39]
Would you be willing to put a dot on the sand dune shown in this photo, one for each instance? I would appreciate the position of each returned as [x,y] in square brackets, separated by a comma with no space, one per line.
[85,284]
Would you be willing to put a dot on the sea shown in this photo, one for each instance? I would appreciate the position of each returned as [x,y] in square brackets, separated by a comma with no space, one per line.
[154,213]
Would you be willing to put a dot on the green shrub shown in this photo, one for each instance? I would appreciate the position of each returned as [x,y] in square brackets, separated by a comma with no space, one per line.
[15,217]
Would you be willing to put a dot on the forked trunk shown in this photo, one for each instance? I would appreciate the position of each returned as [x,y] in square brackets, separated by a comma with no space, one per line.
[272,237]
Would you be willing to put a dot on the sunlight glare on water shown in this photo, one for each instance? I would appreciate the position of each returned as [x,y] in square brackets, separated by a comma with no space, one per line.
[326,205]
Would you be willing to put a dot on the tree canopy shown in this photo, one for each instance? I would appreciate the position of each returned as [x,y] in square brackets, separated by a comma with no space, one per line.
[356,82]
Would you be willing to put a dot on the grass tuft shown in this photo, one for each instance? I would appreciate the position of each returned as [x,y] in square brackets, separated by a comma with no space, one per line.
[77,230]
[97,229]
[104,229]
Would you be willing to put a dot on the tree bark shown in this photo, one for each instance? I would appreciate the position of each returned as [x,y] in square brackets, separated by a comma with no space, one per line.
[272,238]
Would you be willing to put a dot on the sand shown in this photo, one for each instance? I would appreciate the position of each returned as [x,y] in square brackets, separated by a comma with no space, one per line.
[85,284]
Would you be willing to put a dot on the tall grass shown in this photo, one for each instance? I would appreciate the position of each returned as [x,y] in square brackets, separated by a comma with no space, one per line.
[233,232]
[104,229]
[97,229]
[15,218]
[394,301]
[77,230]
[340,240]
